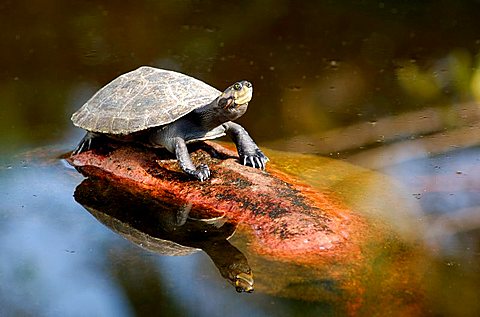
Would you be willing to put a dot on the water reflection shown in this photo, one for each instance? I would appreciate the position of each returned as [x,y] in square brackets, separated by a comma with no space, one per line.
[165,228]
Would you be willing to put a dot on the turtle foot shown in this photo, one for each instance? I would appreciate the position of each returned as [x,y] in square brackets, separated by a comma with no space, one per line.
[85,144]
[202,172]
[256,159]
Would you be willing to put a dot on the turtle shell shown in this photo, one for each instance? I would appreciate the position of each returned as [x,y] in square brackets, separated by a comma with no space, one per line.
[144,98]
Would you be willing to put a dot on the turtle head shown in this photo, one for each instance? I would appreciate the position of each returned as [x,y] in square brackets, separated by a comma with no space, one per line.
[236,97]
[235,269]
[243,282]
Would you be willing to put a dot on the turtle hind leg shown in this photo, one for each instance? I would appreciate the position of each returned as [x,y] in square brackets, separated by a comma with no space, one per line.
[86,143]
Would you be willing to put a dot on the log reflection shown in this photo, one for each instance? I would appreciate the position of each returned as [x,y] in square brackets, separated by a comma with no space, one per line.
[166,227]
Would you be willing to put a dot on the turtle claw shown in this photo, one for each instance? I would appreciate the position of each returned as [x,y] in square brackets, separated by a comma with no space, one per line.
[252,162]
[255,160]
[202,172]
[85,144]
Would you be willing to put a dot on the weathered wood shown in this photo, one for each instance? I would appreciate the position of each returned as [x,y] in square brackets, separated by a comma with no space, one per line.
[287,219]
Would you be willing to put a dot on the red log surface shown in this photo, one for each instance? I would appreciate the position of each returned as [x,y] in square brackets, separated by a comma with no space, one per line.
[285,217]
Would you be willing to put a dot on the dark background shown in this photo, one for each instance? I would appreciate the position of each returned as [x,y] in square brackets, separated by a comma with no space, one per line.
[315,65]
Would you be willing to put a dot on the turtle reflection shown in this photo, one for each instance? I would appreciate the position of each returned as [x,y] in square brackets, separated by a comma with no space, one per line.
[164,227]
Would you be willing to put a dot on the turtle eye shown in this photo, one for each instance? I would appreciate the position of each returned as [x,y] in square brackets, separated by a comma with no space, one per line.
[237,86]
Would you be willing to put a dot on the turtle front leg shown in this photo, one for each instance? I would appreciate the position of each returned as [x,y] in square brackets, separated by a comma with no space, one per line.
[248,151]
[179,147]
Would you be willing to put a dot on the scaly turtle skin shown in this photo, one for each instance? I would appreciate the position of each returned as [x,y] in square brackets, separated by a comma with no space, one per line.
[163,108]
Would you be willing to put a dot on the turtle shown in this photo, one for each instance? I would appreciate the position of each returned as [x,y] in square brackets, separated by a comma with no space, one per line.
[167,109]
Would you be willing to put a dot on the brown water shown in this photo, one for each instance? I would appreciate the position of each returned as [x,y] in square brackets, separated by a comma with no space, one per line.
[387,91]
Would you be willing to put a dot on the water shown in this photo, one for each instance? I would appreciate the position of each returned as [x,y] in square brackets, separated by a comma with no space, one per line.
[383,90]
[63,261]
